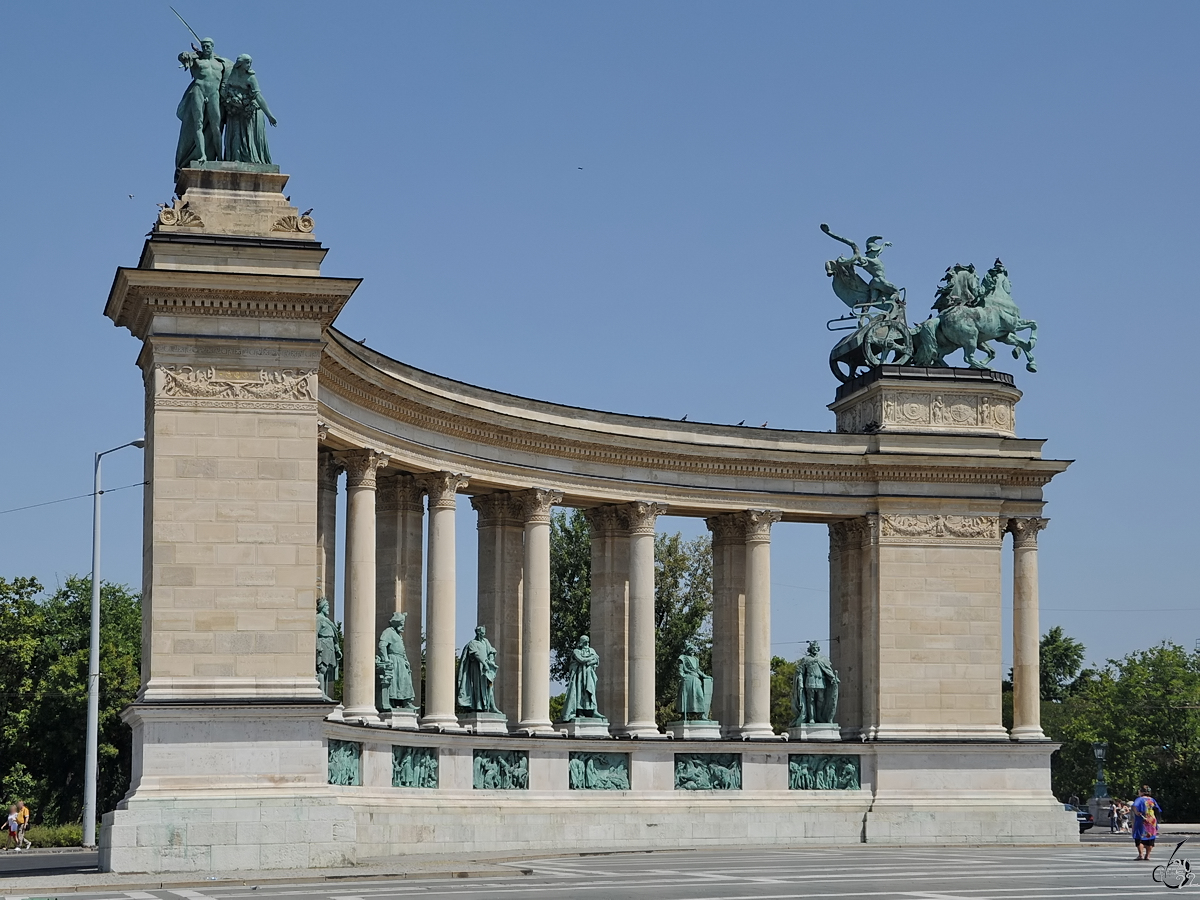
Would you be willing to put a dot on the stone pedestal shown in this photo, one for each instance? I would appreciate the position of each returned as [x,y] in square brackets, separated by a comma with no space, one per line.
[584,727]
[484,723]
[815,731]
[695,730]
[401,719]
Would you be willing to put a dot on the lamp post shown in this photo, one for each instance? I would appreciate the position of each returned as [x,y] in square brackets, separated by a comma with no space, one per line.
[1100,750]
[93,712]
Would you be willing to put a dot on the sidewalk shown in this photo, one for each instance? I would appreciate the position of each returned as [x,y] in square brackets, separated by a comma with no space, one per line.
[398,867]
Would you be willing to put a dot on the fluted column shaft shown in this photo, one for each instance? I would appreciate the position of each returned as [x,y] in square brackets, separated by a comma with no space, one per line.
[400,511]
[328,470]
[1027,713]
[610,612]
[729,613]
[500,572]
[442,488]
[640,518]
[535,602]
[358,694]
[758,623]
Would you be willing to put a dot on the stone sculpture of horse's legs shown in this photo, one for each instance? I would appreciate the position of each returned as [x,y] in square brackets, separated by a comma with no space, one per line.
[1018,345]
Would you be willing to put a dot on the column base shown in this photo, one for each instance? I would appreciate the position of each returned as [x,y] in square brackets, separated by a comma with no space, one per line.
[1028,733]
[363,715]
[484,723]
[645,731]
[758,732]
[401,719]
[584,727]
[695,730]
[815,731]
[543,726]
[440,723]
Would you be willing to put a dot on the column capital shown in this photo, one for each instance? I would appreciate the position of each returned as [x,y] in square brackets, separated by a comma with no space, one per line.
[758,522]
[442,488]
[536,504]
[848,534]
[639,516]
[1025,531]
[361,466]
[399,492]
[605,520]
[329,467]
[726,528]
[322,430]
[500,508]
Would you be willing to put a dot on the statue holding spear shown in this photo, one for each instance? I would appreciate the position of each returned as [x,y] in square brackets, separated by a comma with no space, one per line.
[199,112]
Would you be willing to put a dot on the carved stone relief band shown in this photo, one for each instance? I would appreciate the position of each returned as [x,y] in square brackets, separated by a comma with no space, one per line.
[727,528]
[640,516]
[209,383]
[536,504]
[758,522]
[939,528]
[442,488]
[361,466]
[399,492]
[1025,531]
[890,409]
[605,520]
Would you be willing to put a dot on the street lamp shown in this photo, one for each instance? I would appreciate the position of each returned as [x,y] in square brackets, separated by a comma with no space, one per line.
[1100,750]
[93,713]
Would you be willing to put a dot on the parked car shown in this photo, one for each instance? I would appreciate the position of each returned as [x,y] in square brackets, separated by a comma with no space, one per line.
[1085,818]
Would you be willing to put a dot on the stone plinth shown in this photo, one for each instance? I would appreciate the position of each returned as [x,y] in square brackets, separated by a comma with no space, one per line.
[904,399]
[815,732]
[484,722]
[584,727]
[695,730]
[401,719]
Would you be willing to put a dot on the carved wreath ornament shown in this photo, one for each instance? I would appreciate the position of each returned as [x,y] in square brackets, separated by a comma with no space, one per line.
[203,383]
[302,224]
[177,213]
[940,526]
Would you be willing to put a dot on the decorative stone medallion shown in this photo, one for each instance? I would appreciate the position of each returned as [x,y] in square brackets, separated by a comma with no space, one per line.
[708,771]
[813,772]
[345,762]
[599,771]
[415,767]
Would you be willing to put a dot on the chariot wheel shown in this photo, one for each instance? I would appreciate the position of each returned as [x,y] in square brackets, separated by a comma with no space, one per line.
[842,370]
[886,341]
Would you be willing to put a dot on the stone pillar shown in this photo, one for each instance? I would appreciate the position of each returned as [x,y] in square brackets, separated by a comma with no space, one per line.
[1027,714]
[729,615]
[501,561]
[358,691]
[871,647]
[758,622]
[535,628]
[400,514]
[846,621]
[328,470]
[610,612]
[442,488]
[640,518]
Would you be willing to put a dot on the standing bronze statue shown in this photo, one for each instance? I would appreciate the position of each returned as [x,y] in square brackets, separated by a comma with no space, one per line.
[581,682]
[199,111]
[329,654]
[244,109]
[815,688]
[477,674]
[396,689]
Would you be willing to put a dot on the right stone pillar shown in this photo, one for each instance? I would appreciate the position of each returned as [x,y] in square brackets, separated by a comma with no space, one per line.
[610,612]
[535,627]
[641,518]
[1027,719]
[758,524]
[729,620]
[442,489]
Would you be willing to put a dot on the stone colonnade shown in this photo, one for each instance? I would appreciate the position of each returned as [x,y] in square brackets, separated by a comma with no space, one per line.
[386,562]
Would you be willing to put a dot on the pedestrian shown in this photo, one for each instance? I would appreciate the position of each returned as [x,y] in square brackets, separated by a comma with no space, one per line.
[22,824]
[1114,816]
[11,829]
[1145,822]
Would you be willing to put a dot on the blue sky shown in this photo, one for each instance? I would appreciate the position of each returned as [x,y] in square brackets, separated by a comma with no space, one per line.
[616,206]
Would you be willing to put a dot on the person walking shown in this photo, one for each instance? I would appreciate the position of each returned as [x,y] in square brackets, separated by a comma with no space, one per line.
[22,825]
[1114,816]
[1145,822]
[11,828]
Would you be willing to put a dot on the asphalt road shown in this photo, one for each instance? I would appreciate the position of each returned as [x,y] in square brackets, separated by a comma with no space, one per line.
[41,862]
[993,873]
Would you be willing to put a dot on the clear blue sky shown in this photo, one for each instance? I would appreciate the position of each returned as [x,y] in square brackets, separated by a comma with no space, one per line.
[615,205]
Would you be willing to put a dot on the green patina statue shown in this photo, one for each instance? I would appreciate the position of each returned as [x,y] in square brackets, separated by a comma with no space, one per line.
[695,690]
[199,111]
[477,670]
[814,689]
[329,654]
[396,689]
[580,701]
[244,109]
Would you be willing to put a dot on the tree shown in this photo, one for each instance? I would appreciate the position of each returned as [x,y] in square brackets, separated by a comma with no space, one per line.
[1061,658]
[43,678]
[570,586]
[783,674]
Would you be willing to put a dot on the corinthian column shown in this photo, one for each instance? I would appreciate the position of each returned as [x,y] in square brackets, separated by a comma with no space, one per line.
[1027,713]
[501,562]
[535,601]
[640,518]
[610,612]
[400,510]
[729,620]
[358,693]
[328,470]
[442,488]
[758,622]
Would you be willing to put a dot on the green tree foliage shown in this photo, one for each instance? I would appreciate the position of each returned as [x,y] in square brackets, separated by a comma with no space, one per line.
[682,605]
[783,674]
[570,586]
[1061,659]
[1146,706]
[43,693]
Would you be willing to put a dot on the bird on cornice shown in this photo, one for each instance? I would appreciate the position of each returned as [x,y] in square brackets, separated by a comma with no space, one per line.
[743,422]
[763,425]
[684,419]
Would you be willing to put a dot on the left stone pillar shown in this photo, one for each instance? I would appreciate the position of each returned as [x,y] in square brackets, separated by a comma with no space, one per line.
[442,489]
[758,623]
[535,629]
[358,686]
[1027,681]
[641,518]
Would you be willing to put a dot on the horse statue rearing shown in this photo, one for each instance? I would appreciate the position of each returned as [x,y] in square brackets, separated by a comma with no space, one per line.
[971,313]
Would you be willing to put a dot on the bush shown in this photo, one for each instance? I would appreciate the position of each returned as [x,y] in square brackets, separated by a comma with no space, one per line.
[55,835]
